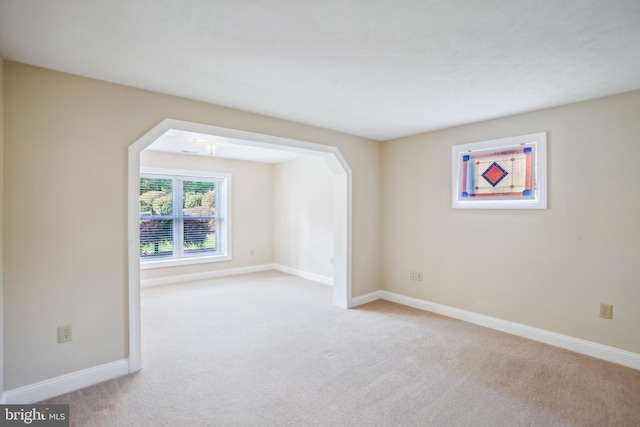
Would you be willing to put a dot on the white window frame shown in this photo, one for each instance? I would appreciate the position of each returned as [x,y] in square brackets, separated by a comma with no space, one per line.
[223,217]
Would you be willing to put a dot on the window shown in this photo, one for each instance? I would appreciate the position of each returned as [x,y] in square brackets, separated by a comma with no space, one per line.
[182,218]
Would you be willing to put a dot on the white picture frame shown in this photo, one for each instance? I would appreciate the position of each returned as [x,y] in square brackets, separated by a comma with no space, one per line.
[481,174]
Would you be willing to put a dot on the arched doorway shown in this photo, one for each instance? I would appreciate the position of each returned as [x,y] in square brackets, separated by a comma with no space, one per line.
[341,211]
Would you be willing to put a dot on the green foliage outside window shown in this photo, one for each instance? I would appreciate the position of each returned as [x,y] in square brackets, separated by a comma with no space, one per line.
[156,199]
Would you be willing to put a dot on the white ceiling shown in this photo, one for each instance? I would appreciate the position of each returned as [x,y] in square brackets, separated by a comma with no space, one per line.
[375,68]
[200,144]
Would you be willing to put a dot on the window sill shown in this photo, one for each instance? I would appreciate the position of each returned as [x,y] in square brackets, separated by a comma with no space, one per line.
[149,264]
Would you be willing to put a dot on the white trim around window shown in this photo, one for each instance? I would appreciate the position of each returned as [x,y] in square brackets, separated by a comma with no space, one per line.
[223,216]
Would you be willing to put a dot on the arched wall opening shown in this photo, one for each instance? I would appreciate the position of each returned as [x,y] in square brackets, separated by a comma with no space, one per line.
[342,199]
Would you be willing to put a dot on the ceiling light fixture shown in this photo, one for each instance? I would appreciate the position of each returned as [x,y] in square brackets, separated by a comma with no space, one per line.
[210,146]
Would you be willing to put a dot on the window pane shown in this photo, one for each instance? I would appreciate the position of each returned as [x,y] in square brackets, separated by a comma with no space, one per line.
[200,236]
[198,198]
[178,216]
[155,196]
[156,238]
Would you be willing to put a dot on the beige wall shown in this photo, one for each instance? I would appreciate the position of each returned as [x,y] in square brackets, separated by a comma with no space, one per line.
[66,140]
[303,215]
[547,268]
[251,209]
[65,218]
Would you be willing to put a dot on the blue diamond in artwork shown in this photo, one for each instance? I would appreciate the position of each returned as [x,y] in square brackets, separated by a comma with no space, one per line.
[494,174]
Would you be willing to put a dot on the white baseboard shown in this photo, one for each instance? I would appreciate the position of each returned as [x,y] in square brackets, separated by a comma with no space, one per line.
[170,280]
[33,393]
[325,280]
[366,298]
[76,380]
[589,348]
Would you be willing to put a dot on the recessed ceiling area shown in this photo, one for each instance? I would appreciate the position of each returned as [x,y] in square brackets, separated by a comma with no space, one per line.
[200,144]
[379,69]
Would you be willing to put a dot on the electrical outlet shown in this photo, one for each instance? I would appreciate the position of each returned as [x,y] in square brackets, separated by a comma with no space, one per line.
[416,276]
[64,334]
[606,311]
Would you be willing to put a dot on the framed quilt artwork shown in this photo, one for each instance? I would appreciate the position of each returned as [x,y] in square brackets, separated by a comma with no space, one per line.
[508,173]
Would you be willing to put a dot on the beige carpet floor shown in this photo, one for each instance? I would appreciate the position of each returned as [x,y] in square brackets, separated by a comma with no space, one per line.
[269,349]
